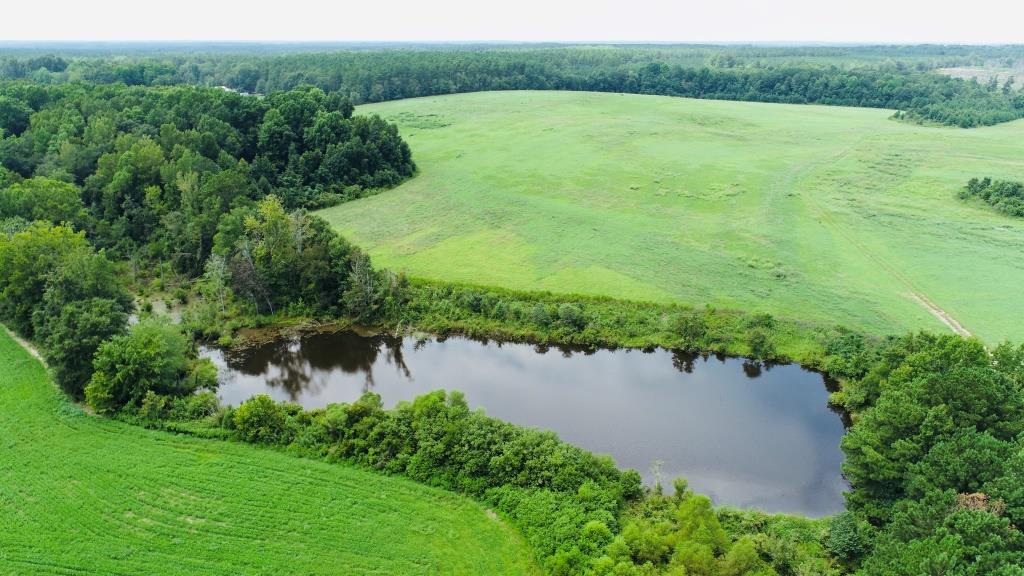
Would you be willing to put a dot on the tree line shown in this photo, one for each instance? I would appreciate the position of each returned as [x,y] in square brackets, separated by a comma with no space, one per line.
[900,78]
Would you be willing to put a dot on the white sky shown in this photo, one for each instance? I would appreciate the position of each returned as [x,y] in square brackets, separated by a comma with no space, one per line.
[912,21]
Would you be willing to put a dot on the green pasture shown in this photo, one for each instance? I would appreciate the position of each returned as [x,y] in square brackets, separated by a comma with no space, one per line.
[826,214]
[83,494]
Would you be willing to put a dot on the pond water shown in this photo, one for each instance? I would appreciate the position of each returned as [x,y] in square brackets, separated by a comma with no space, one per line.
[747,435]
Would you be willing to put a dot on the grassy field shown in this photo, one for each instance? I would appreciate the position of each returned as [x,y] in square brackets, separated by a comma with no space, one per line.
[825,214]
[86,495]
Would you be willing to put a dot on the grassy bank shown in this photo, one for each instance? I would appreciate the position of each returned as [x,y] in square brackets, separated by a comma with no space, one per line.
[588,321]
[82,493]
[821,214]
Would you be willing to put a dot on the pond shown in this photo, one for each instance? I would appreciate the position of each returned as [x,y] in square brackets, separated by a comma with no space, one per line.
[746,434]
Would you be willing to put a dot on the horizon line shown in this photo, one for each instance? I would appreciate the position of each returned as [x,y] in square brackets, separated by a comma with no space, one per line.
[780,43]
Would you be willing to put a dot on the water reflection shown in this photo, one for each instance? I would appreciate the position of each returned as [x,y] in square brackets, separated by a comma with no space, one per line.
[300,368]
[746,433]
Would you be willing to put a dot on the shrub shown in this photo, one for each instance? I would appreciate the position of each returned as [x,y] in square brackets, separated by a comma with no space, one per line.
[181,295]
[153,407]
[540,316]
[202,375]
[572,316]
[153,356]
[226,418]
[71,338]
[760,344]
[27,260]
[692,329]
[261,420]
[761,320]
[848,538]
[196,406]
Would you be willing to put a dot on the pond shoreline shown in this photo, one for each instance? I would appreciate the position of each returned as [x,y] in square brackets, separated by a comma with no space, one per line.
[666,402]
[247,338]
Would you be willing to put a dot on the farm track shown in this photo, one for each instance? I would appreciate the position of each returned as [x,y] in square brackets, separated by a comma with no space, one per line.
[826,218]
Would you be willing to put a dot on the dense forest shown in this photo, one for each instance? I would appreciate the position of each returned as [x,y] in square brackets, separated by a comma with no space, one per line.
[149,172]
[900,78]
[1004,196]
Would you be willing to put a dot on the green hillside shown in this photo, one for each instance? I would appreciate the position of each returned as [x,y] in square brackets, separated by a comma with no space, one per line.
[826,214]
[87,495]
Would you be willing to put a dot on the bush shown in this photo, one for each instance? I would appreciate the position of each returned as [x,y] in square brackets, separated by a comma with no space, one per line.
[540,316]
[202,375]
[196,406]
[1006,197]
[181,295]
[848,538]
[153,407]
[70,339]
[572,316]
[566,500]
[760,344]
[27,260]
[692,329]
[761,320]
[153,356]
[261,420]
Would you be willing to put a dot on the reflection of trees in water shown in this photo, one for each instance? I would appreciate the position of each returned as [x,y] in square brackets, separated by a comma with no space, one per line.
[752,368]
[685,361]
[303,365]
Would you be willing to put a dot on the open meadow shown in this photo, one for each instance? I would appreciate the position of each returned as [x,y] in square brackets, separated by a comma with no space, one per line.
[85,494]
[825,214]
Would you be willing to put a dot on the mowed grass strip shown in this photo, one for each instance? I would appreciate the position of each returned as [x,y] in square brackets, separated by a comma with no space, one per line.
[82,494]
[825,214]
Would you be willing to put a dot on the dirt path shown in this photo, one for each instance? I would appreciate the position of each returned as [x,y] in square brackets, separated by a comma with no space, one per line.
[825,217]
[941,314]
[25,344]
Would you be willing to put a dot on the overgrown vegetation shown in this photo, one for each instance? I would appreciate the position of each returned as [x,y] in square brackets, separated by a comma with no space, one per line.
[933,457]
[1004,196]
[153,359]
[573,507]
[549,318]
[580,514]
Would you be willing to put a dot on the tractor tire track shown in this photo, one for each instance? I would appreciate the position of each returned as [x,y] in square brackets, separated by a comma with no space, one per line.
[831,223]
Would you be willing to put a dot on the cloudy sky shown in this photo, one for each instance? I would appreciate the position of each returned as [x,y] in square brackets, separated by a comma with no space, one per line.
[947,21]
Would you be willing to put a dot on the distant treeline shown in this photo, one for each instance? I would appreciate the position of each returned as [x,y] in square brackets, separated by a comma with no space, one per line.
[1003,195]
[879,77]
